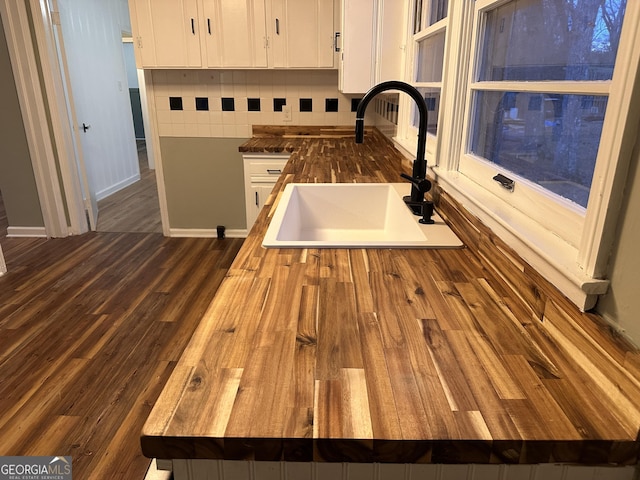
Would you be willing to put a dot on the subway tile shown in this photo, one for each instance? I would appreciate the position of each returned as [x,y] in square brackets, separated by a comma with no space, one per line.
[241,118]
[178,130]
[203,130]
[217,131]
[165,129]
[190,116]
[201,118]
[177,116]
[162,102]
[163,116]
[215,118]
[229,130]
[228,118]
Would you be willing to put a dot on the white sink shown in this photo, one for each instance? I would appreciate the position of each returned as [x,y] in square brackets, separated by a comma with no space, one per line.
[350,215]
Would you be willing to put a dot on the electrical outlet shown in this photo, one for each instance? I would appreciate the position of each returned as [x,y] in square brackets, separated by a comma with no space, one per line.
[286,110]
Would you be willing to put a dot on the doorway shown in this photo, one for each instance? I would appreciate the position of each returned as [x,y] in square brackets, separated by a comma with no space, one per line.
[110,156]
[135,208]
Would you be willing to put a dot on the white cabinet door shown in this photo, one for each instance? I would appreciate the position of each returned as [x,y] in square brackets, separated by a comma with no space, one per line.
[166,33]
[302,33]
[234,33]
[258,194]
[261,171]
[357,57]
[372,33]
[391,40]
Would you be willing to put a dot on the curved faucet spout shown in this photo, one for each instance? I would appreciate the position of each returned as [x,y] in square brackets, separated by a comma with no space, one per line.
[419,164]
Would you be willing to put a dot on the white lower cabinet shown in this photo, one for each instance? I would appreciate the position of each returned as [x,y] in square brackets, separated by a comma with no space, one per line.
[261,171]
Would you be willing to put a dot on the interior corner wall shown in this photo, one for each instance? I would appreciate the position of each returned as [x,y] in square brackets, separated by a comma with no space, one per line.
[17,180]
[621,304]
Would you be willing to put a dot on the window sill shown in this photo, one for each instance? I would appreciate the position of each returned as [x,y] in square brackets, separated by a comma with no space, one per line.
[550,255]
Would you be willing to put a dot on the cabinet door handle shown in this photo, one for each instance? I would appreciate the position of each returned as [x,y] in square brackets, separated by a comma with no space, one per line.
[336,47]
[193,27]
[257,201]
[273,171]
[209,25]
[277,26]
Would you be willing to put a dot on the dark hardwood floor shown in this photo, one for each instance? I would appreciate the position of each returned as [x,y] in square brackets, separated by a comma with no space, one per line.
[91,327]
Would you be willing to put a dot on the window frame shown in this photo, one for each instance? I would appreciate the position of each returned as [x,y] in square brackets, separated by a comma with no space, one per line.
[576,266]
[407,136]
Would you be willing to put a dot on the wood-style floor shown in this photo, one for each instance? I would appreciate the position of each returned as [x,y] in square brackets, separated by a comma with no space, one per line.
[91,327]
[134,208]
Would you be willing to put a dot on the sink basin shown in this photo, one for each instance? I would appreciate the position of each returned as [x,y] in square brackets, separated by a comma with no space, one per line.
[350,215]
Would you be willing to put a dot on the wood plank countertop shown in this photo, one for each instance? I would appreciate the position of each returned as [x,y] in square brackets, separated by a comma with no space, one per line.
[388,355]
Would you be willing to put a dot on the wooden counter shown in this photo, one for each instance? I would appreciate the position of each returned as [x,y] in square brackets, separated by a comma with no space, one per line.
[390,355]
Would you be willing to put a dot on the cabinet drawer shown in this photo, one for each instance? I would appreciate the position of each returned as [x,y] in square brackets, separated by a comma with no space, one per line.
[271,167]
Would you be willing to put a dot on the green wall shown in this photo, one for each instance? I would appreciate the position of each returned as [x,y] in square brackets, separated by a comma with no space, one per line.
[17,181]
[621,305]
[204,182]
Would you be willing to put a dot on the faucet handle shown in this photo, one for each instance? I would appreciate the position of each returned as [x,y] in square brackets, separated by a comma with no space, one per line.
[422,184]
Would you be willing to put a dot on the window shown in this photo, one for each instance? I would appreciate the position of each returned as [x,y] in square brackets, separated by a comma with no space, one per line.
[538,91]
[536,114]
[429,24]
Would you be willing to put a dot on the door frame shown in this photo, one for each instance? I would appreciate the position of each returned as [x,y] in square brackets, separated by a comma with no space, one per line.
[57,178]
[34,117]
[3,265]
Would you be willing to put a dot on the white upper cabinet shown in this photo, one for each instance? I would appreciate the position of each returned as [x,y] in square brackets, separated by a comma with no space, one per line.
[372,43]
[357,57]
[233,33]
[301,33]
[167,35]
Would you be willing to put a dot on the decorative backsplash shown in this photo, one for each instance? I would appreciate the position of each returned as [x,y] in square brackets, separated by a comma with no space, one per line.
[226,103]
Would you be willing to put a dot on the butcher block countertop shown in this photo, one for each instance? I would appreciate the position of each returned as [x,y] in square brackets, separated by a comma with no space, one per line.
[391,355]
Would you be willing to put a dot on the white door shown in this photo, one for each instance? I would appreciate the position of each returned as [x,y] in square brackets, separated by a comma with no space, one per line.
[91,43]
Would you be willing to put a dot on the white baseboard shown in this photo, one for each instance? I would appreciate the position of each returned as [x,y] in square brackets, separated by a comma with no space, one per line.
[26,232]
[206,232]
[117,187]
[158,470]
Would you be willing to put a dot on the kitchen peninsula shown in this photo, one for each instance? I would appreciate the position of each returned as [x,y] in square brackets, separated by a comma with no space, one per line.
[393,355]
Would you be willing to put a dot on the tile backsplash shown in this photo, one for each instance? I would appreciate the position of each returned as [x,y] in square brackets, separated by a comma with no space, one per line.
[226,103]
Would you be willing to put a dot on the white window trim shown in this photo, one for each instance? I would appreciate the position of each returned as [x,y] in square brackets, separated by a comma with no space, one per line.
[577,270]
[407,137]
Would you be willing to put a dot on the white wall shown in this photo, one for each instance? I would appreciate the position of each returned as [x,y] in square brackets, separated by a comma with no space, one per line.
[92,32]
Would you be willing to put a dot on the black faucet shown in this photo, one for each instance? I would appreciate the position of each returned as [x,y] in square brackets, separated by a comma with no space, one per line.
[419,184]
